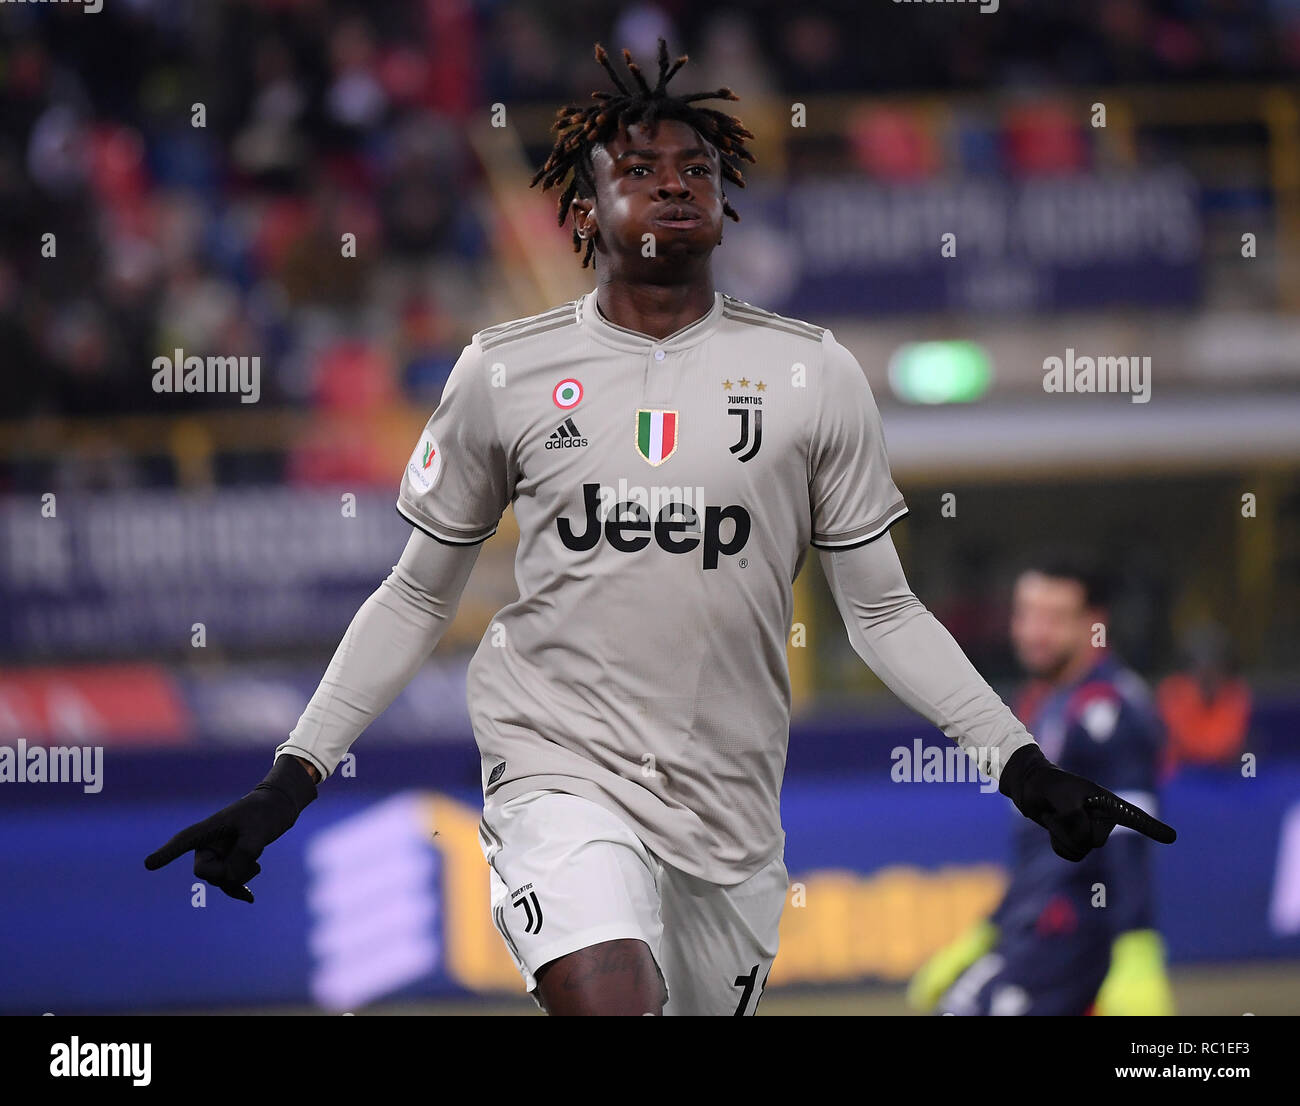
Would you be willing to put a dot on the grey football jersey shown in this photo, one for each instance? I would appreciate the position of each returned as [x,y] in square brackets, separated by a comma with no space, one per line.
[666,491]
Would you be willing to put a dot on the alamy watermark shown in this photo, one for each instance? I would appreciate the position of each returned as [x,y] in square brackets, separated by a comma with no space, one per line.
[922,763]
[211,374]
[81,764]
[652,499]
[1098,374]
[90,1059]
[987,7]
[89,7]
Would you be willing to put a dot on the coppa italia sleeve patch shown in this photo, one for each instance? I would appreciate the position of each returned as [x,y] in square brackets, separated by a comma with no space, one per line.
[425,464]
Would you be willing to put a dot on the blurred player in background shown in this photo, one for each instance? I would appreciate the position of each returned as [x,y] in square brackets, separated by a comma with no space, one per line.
[1069,938]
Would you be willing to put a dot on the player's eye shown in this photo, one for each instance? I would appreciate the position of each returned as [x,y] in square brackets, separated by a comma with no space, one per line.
[645,168]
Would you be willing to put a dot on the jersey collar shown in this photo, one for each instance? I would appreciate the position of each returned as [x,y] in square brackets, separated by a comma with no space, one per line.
[600,328]
[1102,668]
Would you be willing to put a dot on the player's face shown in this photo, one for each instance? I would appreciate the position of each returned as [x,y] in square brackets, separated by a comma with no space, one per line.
[1050,623]
[664,182]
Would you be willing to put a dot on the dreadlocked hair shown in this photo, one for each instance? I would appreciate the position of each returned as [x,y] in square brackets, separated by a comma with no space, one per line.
[579,129]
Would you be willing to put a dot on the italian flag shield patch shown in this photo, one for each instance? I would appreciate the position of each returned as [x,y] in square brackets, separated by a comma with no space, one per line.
[656,435]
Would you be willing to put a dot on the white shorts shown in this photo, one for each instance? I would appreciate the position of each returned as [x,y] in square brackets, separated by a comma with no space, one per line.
[566,873]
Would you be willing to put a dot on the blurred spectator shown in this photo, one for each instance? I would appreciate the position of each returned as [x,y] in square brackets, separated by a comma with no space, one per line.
[523,60]
[893,145]
[731,55]
[813,55]
[1044,138]
[328,117]
[1206,707]
[639,29]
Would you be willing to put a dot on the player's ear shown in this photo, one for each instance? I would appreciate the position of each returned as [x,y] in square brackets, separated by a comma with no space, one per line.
[583,214]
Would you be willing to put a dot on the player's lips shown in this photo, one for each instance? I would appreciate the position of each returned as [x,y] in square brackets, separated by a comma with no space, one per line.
[681,217]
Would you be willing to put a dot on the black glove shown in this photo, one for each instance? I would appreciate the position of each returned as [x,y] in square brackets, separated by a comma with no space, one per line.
[1078,813]
[226,845]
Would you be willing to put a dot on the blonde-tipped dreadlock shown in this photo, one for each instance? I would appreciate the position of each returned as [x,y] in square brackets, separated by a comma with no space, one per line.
[581,128]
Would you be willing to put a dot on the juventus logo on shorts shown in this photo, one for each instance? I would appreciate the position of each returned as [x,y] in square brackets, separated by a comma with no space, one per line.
[532,910]
[750,449]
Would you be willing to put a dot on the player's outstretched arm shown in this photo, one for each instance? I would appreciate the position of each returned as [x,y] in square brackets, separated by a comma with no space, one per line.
[909,649]
[916,657]
[390,637]
[388,640]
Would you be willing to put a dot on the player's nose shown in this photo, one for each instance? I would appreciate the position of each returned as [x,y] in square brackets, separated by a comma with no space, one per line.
[673,184]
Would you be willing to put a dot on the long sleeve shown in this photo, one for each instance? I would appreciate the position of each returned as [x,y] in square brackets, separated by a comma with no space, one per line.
[909,649]
[389,638]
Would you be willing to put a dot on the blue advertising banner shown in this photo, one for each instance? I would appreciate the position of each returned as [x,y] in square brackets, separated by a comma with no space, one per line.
[122,572]
[855,247]
[376,896]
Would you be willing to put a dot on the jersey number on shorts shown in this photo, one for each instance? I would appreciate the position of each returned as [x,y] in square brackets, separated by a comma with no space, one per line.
[747,982]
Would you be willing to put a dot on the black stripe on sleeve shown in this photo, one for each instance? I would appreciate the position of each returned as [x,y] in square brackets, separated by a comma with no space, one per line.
[865,541]
[443,541]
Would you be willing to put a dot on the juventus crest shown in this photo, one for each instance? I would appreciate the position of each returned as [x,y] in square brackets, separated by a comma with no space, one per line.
[751,432]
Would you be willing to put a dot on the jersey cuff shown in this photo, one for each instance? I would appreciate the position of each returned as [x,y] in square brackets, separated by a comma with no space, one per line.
[289,749]
[424,526]
[862,535]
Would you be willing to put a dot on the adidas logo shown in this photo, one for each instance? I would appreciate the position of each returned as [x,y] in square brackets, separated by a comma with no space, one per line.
[565,436]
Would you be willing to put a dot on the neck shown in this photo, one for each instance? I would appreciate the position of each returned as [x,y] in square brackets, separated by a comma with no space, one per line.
[656,310]
[1078,666]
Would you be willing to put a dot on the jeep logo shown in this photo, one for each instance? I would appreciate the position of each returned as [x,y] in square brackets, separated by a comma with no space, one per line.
[676,529]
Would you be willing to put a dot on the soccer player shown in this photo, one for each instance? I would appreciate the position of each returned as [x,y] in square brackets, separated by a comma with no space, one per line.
[1069,937]
[671,453]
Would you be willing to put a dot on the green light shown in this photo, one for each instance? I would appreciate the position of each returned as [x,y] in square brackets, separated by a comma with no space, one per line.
[940,372]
